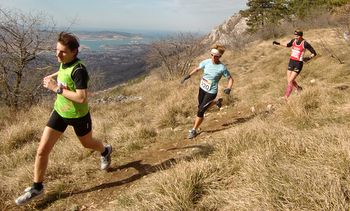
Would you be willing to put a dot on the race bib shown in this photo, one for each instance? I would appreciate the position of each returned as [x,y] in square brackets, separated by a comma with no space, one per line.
[205,84]
[295,53]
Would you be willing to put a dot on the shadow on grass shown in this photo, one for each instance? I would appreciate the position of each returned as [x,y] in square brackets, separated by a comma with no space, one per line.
[226,125]
[202,150]
[239,120]
[143,169]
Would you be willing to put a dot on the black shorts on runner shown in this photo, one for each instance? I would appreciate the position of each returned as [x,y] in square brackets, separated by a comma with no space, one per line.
[82,125]
[295,65]
[204,101]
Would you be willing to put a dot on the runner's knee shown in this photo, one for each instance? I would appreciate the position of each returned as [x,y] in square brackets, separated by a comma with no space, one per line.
[200,112]
[41,152]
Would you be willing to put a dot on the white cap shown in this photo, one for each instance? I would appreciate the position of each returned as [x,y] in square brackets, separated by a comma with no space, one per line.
[215,52]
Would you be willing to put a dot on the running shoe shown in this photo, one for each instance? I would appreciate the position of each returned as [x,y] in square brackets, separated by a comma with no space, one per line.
[219,102]
[29,194]
[192,133]
[106,160]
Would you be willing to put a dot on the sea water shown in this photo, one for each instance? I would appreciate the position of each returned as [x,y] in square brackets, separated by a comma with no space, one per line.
[103,44]
[99,45]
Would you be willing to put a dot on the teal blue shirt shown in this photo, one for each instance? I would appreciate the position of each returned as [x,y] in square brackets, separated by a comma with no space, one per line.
[212,74]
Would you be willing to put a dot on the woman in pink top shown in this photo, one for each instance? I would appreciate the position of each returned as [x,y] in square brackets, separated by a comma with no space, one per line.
[296,61]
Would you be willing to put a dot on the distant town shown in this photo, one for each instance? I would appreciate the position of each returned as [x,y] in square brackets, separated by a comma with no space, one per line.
[113,57]
[105,35]
[116,65]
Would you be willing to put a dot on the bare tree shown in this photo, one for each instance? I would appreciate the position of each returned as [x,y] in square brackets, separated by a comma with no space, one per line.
[238,41]
[24,42]
[175,54]
[96,81]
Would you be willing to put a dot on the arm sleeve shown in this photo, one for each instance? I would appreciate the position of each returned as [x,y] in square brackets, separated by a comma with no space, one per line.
[310,48]
[226,73]
[202,64]
[80,77]
[290,43]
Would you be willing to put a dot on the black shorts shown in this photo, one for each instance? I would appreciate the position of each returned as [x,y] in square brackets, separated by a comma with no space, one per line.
[82,125]
[295,65]
[204,101]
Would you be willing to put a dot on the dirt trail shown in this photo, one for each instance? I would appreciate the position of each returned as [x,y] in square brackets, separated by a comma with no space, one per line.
[103,187]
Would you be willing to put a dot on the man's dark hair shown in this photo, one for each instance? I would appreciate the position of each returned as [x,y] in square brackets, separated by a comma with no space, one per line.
[69,40]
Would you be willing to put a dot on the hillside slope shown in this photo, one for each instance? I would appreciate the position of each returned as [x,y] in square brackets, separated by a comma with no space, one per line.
[258,153]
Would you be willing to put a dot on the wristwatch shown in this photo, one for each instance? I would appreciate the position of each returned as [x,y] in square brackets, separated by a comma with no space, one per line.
[59,90]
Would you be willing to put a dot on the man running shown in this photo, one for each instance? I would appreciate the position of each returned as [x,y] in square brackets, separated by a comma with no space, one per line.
[70,108]
[213,70]
[296,61]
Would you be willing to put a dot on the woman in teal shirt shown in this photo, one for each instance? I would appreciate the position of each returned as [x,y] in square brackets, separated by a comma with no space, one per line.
[213,70]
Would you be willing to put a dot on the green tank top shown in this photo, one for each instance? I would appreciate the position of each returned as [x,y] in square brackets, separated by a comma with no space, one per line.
[65,107]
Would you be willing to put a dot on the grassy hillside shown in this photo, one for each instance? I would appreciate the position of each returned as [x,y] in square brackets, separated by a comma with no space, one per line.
[258,153]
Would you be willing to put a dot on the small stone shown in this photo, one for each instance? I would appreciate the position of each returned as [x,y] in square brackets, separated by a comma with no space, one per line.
[269,107]
[252,109]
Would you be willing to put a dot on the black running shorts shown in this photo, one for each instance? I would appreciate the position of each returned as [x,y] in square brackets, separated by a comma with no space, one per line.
[82,125]
[204,101]
[295,65]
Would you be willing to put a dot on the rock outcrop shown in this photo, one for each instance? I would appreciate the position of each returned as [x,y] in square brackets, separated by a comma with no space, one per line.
[232,27]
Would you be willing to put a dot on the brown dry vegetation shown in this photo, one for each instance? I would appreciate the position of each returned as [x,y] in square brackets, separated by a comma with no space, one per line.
[281,156]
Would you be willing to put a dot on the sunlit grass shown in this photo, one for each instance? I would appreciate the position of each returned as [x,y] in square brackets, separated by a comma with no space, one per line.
[264,153]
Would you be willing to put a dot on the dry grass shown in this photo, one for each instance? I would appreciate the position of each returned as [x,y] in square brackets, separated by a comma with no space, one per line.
[295,158]
[292,156]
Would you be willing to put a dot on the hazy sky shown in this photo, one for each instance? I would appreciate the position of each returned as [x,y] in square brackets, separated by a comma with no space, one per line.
[183,15]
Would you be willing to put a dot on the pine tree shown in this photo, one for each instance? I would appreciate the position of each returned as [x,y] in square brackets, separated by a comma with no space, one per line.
[263,12]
